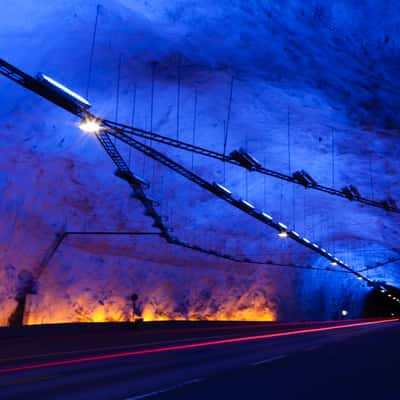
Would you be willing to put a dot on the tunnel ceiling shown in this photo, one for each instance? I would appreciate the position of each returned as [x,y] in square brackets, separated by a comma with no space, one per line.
[311,87]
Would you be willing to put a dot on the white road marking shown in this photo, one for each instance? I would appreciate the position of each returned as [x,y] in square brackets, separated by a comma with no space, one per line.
[268,360]
[168,389]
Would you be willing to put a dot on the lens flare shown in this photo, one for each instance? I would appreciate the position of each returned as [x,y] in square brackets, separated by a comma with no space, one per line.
[90,125]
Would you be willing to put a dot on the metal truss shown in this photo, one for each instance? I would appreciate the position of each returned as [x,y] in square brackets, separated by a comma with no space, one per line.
[155,137]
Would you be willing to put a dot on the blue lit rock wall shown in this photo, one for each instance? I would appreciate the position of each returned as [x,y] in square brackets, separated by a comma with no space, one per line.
[321,76]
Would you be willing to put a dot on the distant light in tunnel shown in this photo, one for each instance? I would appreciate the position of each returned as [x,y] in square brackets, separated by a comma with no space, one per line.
[90,125]
[344,313]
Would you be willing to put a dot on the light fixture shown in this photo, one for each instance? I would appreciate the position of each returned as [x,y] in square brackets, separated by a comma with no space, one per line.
[266,216]
[344,313]
[294,233]
[283,226]
[360,278]
[304,178]
[282,234]
[333,263]
[245,159]
[90,125]
[222,189]
[59,87]
[247,204]
[306,240]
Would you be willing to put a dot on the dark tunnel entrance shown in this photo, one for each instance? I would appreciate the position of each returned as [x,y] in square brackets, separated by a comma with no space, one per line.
[378,304]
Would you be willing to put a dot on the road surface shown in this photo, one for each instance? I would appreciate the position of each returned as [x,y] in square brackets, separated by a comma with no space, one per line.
[184,360]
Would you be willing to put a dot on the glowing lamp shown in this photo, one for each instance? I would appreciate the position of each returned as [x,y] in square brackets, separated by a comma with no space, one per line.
[345,313]
[90,125]
[283,234]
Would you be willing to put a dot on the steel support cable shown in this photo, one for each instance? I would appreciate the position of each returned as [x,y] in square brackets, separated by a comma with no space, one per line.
[237,203]
[226,158]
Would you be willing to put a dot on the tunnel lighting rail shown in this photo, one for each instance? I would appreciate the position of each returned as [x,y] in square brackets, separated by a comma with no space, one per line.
[63,97]
[44,88]
[240,204]
[244,206]
[138,193]
[299,177]
[77,107]
[70,101]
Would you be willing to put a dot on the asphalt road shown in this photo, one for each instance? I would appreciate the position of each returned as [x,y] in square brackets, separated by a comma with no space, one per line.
[199,360]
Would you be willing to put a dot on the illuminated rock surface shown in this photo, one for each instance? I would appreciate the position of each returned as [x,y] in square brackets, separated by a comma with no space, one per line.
[332,71]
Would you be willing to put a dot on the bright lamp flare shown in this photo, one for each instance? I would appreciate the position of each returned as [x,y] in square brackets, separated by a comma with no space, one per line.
[90,125]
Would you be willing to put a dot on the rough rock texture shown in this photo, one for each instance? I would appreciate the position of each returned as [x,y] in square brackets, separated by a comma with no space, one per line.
[314,83]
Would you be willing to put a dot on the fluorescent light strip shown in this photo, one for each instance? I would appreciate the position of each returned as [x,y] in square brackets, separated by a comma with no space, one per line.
[266,216]
[65,89]
[223,188]
[247,204]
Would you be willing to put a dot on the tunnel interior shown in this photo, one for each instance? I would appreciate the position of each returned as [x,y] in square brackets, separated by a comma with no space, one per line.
[378,304]
[316,105]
